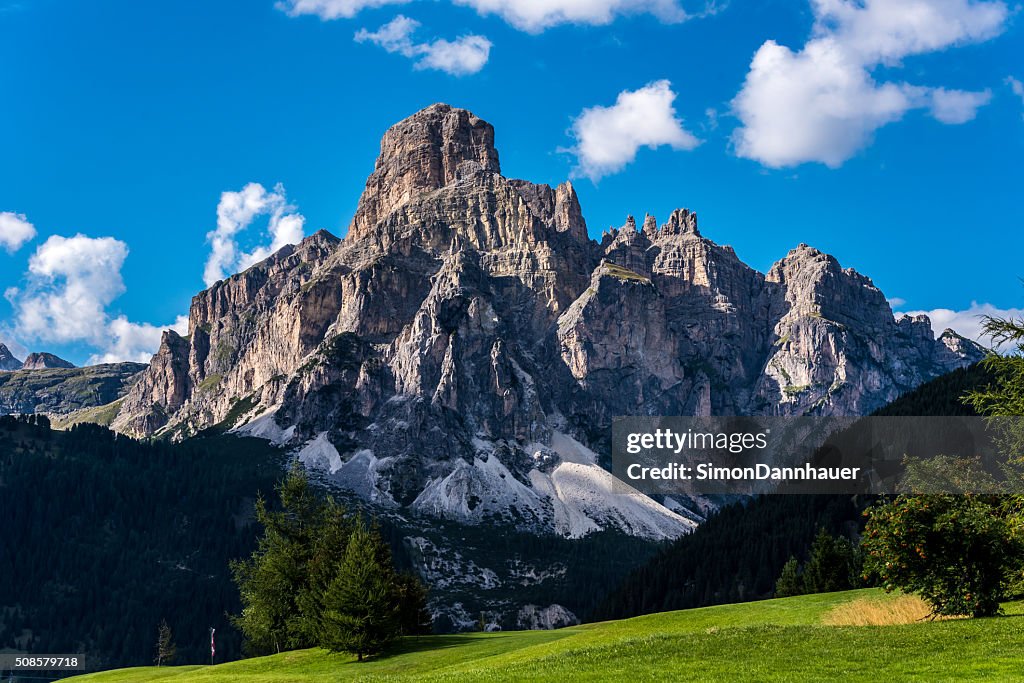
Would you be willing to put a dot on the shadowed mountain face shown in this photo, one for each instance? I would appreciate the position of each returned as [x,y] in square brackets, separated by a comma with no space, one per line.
[8,362]
[462,352]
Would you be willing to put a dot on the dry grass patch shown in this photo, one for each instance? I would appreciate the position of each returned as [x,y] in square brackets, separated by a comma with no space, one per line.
[903,609]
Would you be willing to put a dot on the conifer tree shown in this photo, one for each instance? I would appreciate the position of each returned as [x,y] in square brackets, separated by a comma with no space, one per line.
[165,647]
[413,617]
[790,581]
[274,580]
[360,607]
[829,566]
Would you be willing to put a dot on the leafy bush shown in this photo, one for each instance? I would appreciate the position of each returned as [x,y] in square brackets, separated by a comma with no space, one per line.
[957,552]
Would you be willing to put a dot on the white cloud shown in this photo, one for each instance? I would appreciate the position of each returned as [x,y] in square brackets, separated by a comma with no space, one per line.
[822,104]
[957,106]
[608,138]
[886,31]
[1016,86]
[967,322]
[527,15]
[70,283]
[536,15]
[332,9]
[15,230]
[236,211]
[460,57]
[137,342]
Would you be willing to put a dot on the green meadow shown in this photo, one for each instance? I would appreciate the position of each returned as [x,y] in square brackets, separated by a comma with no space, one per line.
[789,639]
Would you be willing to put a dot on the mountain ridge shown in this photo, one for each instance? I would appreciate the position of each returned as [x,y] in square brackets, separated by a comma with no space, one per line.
[461,352]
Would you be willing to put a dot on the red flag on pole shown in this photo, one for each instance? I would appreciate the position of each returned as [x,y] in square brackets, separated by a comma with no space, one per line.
[213,644]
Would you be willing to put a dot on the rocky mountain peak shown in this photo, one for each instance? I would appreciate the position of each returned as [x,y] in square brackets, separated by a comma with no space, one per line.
[958,345]
[45,361]
[427,151]
[650,228]
[681,222]
[8,362]
[463,351]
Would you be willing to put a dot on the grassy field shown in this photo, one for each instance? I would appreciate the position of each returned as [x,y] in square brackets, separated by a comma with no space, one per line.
[774,640]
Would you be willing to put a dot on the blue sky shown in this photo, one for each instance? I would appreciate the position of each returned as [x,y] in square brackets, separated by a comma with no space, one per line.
[888,134]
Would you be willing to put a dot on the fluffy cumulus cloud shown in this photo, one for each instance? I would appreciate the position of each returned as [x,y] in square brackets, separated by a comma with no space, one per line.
[536,15]
[526,15]
[15,230]
[135,341]
[822,103]
[71,281]
[236,212]
[608,138]
[69,285]
[460,57]
[967,322]
[332,9]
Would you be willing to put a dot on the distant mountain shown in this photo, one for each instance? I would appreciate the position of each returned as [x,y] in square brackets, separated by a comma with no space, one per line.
[462,352]
[59,391]
[45,361]
[7,360]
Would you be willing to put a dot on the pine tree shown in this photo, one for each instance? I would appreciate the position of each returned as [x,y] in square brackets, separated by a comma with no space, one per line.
[828,568]
[165,647]
[413,617]
[272,583]
[329,543]
[360,607]
[790,581]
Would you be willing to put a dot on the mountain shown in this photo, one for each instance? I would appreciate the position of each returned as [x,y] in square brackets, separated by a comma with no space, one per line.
[461,353]
[7,360]
[45,361]
[60,391]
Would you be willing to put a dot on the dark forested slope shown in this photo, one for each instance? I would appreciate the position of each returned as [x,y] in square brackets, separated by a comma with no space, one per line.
[104,536]
[737,554]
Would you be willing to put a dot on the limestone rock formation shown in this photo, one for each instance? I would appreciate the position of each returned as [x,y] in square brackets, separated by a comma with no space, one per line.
[45,361]
[462,351]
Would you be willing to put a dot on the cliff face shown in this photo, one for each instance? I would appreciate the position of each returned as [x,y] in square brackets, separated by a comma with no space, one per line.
[463,350]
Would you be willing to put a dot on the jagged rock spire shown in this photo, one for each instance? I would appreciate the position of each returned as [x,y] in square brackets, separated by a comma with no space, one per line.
[424,152]
[681,222]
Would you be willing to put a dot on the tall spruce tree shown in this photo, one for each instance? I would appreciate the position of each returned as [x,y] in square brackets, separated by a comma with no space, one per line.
[325,558]
[274,581]
[1004,398]
[830,566]
[790,582]
[360,605]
